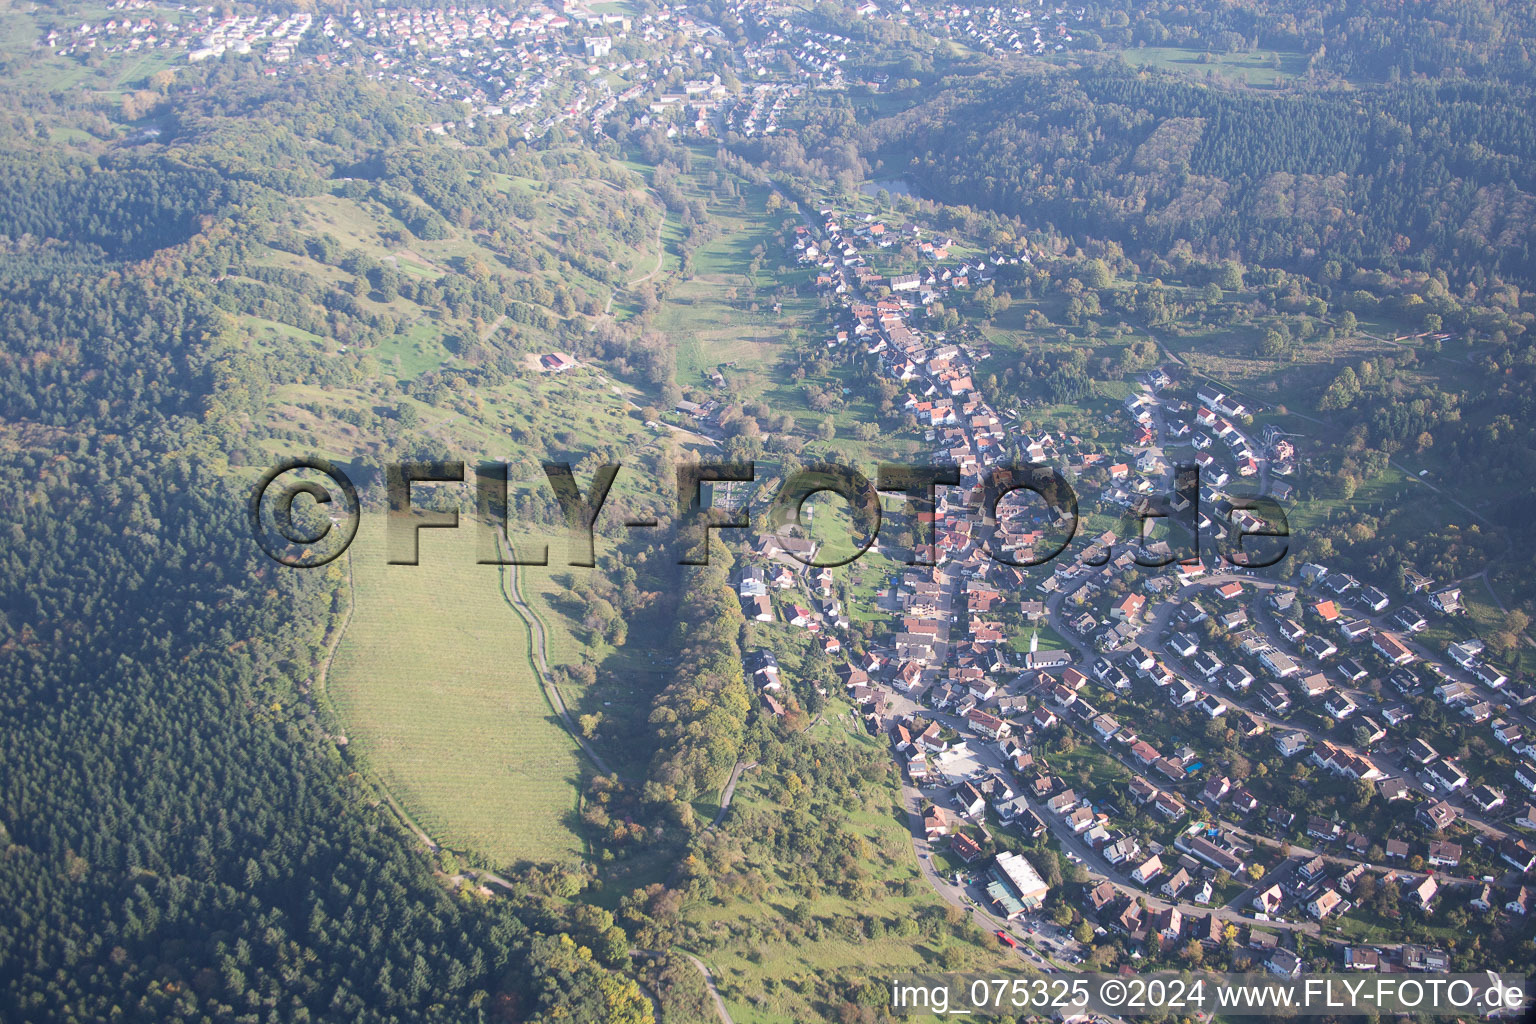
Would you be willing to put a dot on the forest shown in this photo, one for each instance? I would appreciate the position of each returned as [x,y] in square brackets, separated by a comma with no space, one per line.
[182,839]
[1426,176]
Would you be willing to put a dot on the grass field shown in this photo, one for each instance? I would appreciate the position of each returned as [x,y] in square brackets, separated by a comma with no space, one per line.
[433,685]
[1260,68]
[765,978]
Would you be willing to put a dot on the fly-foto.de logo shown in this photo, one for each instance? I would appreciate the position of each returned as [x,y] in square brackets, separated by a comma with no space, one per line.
[304,513]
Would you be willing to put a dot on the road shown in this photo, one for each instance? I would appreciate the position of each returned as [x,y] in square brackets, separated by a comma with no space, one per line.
[729,791]
[956,895]
[708,975]
[714,992]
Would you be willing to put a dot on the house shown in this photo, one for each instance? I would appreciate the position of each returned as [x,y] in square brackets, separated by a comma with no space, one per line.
[1447,775]
[802,616]
[1318,646]
[1176,884]
[1340,706]
[1105,727]
[1101,896]
[1525,774]
[937,821]
[1527,817]
[1289,744]
[964,847]
[1278,664]
[1121,850]
[1207,664]
[1446,600]
[1216,790]
[1424,958]
[1236,678]
[1391,648]
[1168,807]
[1147,870]
[1063,802]
[1313,685]
[1270,900]
[1283,964]
[1423,894]
[1490,676]
[988,725]
[1507,733]
[1323,829]
[1183,645]
[1465,653]
[1517,853]
[1454,692]
[1443,854]
[1354,629]
[1351,671]
[969,799]
[1438,815]
[1128,607]
[1358,959]
[1324,903]
[1520,903]
[1141,790]
[1275,699]
[1129,921]
[1488,798]
[1204,849]
[1167,924]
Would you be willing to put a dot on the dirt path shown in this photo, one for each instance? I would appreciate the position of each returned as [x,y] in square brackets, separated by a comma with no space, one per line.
[729,791]
[661,255]
[492,328]
[539,658]
[341,631]
[709,983]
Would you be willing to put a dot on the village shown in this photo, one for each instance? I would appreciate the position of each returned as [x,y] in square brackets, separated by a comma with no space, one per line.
[561,63]
[1202,694]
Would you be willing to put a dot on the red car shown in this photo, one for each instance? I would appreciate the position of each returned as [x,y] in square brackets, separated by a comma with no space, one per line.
[1007,939]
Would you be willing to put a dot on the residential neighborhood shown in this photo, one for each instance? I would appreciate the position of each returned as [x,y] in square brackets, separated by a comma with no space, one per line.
[1151,722]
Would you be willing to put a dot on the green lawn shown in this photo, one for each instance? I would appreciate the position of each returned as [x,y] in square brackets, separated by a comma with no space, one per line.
[1260,68]
[435,692]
